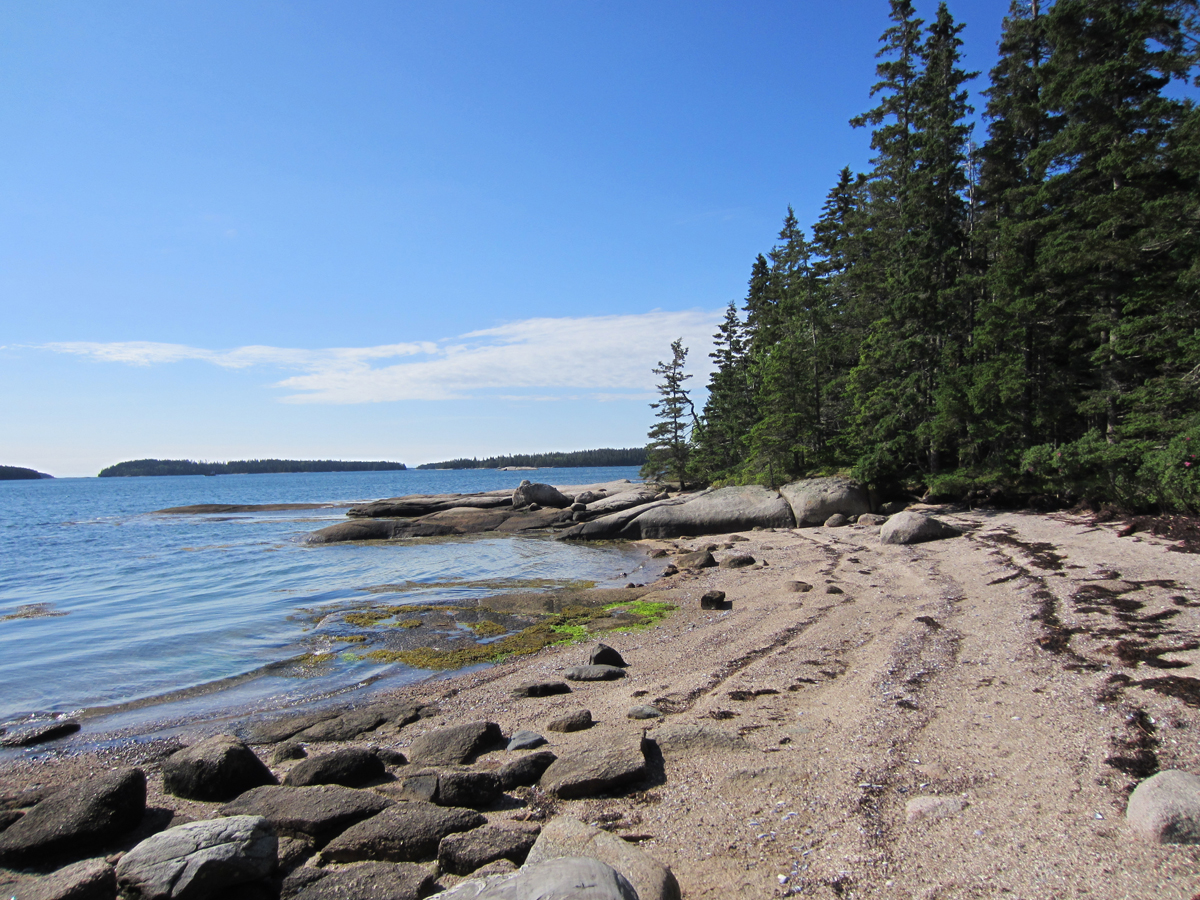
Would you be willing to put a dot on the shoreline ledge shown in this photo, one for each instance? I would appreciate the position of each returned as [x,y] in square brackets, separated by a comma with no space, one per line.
[848,716]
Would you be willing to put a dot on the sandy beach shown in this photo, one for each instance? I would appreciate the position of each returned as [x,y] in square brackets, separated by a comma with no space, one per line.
[960,718]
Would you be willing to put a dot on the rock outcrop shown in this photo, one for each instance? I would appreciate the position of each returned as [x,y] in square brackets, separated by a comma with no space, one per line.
[200,860]
[217,768]
[407,832]
[717,512]
[86,815]
[814,500]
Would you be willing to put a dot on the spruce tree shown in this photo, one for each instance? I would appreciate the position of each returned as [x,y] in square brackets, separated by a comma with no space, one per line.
[729,410]
[668,453]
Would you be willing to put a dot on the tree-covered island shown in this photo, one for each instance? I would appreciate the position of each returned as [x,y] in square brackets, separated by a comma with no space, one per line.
[1014,318]
[570,459]
[140,467]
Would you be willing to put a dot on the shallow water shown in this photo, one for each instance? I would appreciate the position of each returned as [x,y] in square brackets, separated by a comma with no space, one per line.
[141,617]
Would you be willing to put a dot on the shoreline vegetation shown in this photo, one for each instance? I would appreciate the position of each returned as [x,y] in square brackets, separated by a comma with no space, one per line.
[151,467]
[1015,322]
[573,459]
[18,473]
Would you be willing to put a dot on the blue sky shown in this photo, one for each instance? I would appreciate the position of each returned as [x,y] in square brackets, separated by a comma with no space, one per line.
[396,230]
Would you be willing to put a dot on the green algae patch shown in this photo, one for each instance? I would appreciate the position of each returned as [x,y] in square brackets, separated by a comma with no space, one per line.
[487,628]
[351,638]
[407,623]
[644,613]
[493,584]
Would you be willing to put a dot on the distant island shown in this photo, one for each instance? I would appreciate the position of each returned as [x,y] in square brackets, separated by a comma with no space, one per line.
[139,467]
[575,459]
[16,473]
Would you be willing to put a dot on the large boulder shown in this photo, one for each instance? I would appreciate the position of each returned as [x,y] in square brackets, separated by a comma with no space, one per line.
[351,767]
[636,496]
[370,881]
[717,512]
[575,878]
[199,860]
[525,770]
[565,837]
[595,769]
[463,853]
[814,500]
[677,739]
[85,815]
[541,494]
[623,524]
[217,768]
[407,832]
[354,530]
[321,812]
[350,724]
[914,528]
[454,745]
[89,879]
[1165,808]
[594,673]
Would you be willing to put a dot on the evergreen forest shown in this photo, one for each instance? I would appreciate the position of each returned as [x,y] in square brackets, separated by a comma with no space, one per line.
[570,459]
[1015,318]
[142,467]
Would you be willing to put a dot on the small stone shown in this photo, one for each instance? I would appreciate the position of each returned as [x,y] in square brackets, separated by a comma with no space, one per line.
[474,790]
[799,587]
[541,689]
[525,740]
[1165,808]
[700,559]
[871,519]
[713,600]
[594,673]
[39,734]
[658,554]
[391,758]
[670,570]
[931,807]
[837,520]
[737,561]
[287,751]
[645,711]
[604,655]
[576,720]
[833,589]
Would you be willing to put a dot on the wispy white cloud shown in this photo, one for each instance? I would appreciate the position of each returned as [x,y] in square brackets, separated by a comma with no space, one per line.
[602,358]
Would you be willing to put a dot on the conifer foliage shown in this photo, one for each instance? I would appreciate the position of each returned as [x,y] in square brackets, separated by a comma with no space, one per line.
[1022,315]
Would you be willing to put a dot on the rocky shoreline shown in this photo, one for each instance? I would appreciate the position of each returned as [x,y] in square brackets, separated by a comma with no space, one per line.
[828,713]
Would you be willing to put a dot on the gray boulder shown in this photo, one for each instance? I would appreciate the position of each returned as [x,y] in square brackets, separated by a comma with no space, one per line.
[350,724]
[89,879]
[737,561]
[716,512]
[676,739]
[914,528]
[565,837]
[576,720]
[645,711]
[351,767]
[623,524]
[698,559]
[1165,808]
[476,790]
[83,816]
[525,770]
[541,494]
[564,878]
[636,496]
[217,768]
[837,520]
[463,853]
[407,832]
[354,530]
[604,655]
[525,740]
[596,769]
[200,859]
[321,812]
[39,734]
[871,519]
[455,744]
[541,689]
[814,500]
[594,673]
[370,881]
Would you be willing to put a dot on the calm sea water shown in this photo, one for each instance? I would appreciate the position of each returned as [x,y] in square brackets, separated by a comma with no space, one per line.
[147,617]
